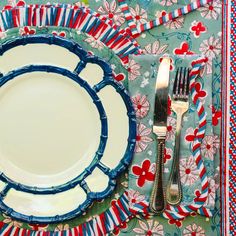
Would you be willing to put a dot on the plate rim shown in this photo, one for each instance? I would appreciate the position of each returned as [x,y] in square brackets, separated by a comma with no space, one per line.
[75,48]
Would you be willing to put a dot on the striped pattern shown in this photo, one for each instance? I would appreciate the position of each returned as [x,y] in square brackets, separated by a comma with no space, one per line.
[81,19]
[232,123]
[129,18]
[84,20]
[172,15]
[205,212]
[98,226]
[137,29]
[228,15]
[181,211]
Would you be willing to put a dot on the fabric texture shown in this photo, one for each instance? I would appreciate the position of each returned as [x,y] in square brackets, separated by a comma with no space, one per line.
[197,32]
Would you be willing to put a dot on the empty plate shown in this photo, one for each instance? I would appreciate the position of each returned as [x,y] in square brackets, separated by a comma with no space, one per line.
[66,131]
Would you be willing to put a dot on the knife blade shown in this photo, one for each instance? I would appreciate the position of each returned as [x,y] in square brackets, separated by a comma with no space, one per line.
[157,201]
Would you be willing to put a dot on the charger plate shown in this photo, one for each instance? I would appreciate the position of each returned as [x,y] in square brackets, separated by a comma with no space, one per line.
[59,132]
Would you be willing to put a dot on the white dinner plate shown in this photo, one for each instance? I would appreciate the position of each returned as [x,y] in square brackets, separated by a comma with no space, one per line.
[51,129]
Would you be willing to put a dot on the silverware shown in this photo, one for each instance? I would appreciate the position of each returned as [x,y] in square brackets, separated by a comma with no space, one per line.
[157,201]
[179,104]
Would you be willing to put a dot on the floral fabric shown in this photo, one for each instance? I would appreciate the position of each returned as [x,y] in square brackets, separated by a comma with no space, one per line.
[143,167]
[198,32]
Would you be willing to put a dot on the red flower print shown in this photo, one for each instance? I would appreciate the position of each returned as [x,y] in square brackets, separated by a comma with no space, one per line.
[183,50]
[197,28]
[216,115]
[61,34]
[38,227]
[118,77]
[141,105]
[27,31]
[178,223]
[167,154]
[12,3]
[200,93]
[191,134]
[144,172]
[169,106]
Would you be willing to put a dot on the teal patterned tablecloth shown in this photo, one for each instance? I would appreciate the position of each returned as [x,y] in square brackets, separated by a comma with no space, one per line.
[198,32]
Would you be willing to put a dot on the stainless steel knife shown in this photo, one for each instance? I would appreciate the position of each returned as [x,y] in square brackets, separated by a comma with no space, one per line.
[157,201]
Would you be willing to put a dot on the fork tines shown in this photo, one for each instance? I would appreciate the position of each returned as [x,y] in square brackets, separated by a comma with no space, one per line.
[181,83]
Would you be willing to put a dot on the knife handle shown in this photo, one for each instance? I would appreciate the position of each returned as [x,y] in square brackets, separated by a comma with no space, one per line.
[157,201]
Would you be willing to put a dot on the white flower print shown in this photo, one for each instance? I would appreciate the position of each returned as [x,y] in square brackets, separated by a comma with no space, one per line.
[94,42]
[209,146]
[62,227]
[133,69]
[142,137]
[188,171]
[211,47]
[139,14]
[135,197]
[144,82]
[112,12]
[167,2]
[171,127]
[14,3]
[155,48]
[80,4]
[3,35]
[11,2]
[141,105]
[211,10]
[150,122]
[176,23]
[193,229]
[8,220]
[211,193]
[149,227]
[208,67]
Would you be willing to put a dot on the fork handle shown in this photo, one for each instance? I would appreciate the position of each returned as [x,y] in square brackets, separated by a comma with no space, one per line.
[173,189]
[157,201]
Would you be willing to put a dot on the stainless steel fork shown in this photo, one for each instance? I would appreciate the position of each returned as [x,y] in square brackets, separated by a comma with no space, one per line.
[179,104]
